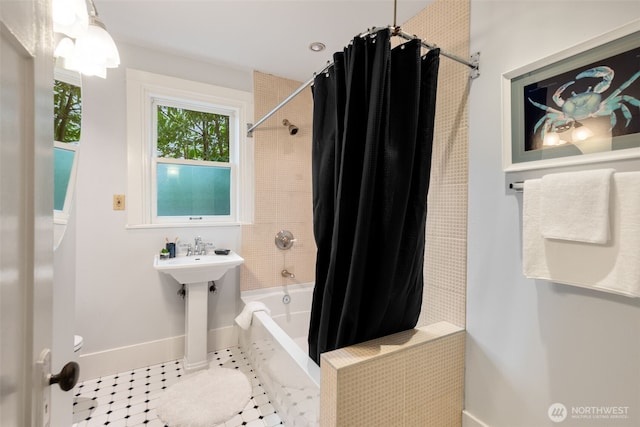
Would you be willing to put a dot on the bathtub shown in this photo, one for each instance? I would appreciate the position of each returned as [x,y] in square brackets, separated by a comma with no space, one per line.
[276,346]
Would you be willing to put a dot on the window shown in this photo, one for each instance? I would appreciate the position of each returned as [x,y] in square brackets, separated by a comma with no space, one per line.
[67,124]
[64,161]
[190,162]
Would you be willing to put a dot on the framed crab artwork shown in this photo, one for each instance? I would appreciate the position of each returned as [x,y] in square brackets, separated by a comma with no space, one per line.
[581,105]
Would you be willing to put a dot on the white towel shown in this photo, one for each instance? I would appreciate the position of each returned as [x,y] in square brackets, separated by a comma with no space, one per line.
[575,206]
[244,318]
[613,267]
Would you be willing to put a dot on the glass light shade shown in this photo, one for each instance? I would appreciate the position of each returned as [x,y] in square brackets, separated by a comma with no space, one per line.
[64,49]
[94,52]
[581,133]
[551,138]
[84,67]
[70,17]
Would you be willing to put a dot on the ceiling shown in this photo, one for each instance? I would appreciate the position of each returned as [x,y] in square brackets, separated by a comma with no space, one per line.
[268,36]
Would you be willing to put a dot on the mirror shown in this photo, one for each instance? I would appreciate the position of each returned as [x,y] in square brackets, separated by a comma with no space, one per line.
[67,127]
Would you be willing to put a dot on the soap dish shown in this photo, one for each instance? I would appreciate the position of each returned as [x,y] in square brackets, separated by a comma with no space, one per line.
[222,251]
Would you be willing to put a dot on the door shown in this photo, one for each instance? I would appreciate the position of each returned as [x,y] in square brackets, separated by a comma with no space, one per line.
[26,237]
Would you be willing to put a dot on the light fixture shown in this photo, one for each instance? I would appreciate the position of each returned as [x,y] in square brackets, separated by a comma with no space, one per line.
[551,139]
[580,132]
[70,17]
[317,47]
[65,48]
[93,51]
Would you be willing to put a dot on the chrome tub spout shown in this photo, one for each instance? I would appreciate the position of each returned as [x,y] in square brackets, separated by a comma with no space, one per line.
[286,273]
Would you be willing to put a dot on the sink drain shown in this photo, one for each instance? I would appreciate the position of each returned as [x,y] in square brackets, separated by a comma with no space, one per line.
[286,299]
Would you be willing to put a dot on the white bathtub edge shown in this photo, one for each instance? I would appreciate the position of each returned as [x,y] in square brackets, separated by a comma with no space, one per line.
[296,353]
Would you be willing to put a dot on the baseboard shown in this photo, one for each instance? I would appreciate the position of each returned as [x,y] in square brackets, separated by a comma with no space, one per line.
[469,420]
[123,359]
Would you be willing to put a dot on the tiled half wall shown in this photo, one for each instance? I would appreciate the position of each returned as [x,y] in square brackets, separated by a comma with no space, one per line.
[412,378]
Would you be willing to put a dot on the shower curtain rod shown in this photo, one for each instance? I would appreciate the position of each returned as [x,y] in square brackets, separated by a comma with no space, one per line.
[474,64]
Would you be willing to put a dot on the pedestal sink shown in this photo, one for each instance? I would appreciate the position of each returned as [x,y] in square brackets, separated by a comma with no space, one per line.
[195,272]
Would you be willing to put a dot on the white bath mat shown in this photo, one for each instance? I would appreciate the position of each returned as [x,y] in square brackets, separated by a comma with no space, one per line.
[205,398]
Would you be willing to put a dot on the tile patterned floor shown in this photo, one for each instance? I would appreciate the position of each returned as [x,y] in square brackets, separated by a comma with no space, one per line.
[129,399]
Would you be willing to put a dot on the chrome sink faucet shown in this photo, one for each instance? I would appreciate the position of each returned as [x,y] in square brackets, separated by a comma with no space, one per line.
[200,247]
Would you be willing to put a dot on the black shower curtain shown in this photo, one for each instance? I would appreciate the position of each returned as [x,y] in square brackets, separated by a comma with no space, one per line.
[372,140]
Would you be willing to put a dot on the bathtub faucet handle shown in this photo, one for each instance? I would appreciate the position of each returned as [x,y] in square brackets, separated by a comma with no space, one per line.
[284,239]
[287,273]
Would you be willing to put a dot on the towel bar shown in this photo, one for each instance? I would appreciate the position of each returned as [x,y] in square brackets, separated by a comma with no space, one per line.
[517,186]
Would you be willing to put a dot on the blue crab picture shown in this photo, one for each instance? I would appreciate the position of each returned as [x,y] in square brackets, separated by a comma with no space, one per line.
[587,104]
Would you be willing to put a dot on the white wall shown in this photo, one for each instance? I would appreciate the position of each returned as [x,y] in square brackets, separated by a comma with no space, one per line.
[120,299]
[533,343]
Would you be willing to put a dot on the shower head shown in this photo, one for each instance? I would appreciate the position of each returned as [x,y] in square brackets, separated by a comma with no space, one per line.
[293,129]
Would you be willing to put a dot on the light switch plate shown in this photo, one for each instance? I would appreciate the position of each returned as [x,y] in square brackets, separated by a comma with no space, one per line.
[118,202]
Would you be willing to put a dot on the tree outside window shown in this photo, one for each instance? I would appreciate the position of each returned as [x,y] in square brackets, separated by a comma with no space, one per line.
[192,135]
[67,112]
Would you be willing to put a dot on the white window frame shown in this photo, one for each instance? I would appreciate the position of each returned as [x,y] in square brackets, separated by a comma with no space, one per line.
[144,90]
[232,113]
